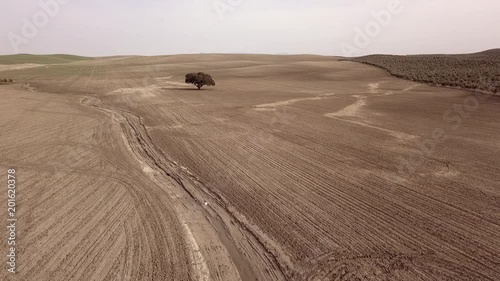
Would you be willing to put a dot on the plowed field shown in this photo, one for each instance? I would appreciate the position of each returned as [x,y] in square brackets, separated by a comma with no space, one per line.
[291,168]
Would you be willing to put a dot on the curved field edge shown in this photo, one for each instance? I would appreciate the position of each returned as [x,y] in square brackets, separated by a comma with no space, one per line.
[477,72]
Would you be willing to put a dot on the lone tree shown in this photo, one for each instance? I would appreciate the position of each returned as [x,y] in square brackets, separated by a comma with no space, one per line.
[199,79]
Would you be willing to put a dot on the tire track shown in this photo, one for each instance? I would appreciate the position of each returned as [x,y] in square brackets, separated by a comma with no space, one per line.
[165,172]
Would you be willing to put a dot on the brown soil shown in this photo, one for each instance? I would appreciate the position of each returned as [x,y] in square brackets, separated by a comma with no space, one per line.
[289,169]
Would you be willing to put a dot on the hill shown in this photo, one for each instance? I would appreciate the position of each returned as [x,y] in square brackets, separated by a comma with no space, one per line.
[477,71]
[40,59]
[493,53]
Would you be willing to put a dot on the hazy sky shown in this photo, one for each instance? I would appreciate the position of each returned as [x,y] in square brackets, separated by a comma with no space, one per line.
[153,27]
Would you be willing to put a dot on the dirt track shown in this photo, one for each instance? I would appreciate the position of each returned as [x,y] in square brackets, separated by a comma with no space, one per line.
[291,168]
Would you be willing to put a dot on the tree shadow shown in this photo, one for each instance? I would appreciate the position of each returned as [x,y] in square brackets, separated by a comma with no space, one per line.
[188,89]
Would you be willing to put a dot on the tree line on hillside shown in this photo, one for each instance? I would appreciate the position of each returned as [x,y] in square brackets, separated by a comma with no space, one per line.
[469,72]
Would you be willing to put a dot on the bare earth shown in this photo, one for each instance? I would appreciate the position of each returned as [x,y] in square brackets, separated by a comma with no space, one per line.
[7,67]
[291,168]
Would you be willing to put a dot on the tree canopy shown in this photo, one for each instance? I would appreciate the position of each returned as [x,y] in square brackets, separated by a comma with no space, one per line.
[199,79]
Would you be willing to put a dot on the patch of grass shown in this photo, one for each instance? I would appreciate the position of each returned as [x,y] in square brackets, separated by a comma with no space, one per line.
[479,71]
[40,59]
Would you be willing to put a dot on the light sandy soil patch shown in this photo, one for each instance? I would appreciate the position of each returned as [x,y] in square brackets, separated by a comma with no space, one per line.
[351,110]
[373,87]
[144,92]
[268,106]
[411,87]
[5,67]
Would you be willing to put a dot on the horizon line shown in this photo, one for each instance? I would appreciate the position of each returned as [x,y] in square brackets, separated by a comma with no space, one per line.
[239,53]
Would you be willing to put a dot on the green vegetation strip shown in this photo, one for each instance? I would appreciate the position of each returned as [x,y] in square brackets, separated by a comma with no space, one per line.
[40,59]
[479,71]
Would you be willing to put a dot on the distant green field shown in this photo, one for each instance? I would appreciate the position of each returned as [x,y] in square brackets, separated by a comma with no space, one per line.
[40,59]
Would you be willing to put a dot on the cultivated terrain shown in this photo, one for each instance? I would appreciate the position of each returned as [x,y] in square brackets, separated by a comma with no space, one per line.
[291,168]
